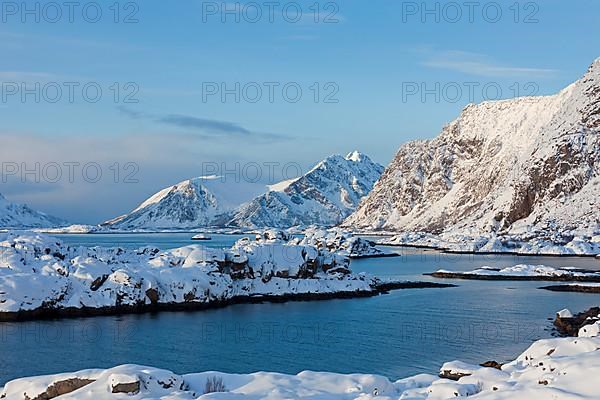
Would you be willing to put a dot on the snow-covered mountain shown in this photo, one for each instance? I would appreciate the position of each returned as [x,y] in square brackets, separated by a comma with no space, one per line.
[526,164]
[189,204]
[21,216]
[324,196]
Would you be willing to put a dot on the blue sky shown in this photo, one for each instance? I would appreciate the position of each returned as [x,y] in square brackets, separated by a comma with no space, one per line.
[365,58]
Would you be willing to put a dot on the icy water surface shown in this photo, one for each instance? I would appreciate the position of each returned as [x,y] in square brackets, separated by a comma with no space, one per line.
[396,335]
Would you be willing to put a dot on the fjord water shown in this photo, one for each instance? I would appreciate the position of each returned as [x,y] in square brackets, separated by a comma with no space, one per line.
[400,334]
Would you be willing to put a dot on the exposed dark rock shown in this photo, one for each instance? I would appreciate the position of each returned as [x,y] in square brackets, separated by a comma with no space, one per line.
[573,288]
[453,376]
[127,388]
[152,295]
[60,388]
[98,282]
[191,305]
[491,364]
[571,326]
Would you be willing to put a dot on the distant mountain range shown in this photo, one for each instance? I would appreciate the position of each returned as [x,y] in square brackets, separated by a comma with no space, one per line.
[526,164]
[529,164]
[325,195]
[14,215]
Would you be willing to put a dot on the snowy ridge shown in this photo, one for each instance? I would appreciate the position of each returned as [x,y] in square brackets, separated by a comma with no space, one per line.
[502,167]
[324,196]
[20,216]
[561,368]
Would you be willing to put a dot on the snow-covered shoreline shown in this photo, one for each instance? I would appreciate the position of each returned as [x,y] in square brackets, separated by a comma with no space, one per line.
[40,277]
[539,244]
[558,368]
[522,272]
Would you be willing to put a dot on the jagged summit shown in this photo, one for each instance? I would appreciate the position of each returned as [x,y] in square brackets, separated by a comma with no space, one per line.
[356,156]
[324,196]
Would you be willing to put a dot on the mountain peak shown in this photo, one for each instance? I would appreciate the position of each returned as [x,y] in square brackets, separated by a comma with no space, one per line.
[500,165]
[356,156]
[595,67]
[324,196]
[20,216]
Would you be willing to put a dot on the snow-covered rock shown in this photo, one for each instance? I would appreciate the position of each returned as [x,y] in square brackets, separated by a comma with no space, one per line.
[341,242]
[523,272]
[566,313]
[19,216]
[40,274]
[560,368]
[324,196]
[538,243]
[72,229]
[591,330]
[527,166]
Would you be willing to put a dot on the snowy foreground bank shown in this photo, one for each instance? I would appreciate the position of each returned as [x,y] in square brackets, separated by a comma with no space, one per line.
[559,368]
[539,243]
[41,277]
[523,272]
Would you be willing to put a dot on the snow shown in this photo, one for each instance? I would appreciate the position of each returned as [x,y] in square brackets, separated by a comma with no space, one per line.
[340,241]
[592,330]
[73,229]
[19,216]
[38,272]
[559,368]
[324,196]
[565,313]
[189,204]
[525,270]
[538,243]
[525,168]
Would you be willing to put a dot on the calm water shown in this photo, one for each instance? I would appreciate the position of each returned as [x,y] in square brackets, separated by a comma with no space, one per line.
[400,334]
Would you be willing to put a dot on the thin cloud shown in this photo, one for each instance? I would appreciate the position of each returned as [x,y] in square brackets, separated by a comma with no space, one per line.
[26,76]
[477,64]
[203,127]
[128,112]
